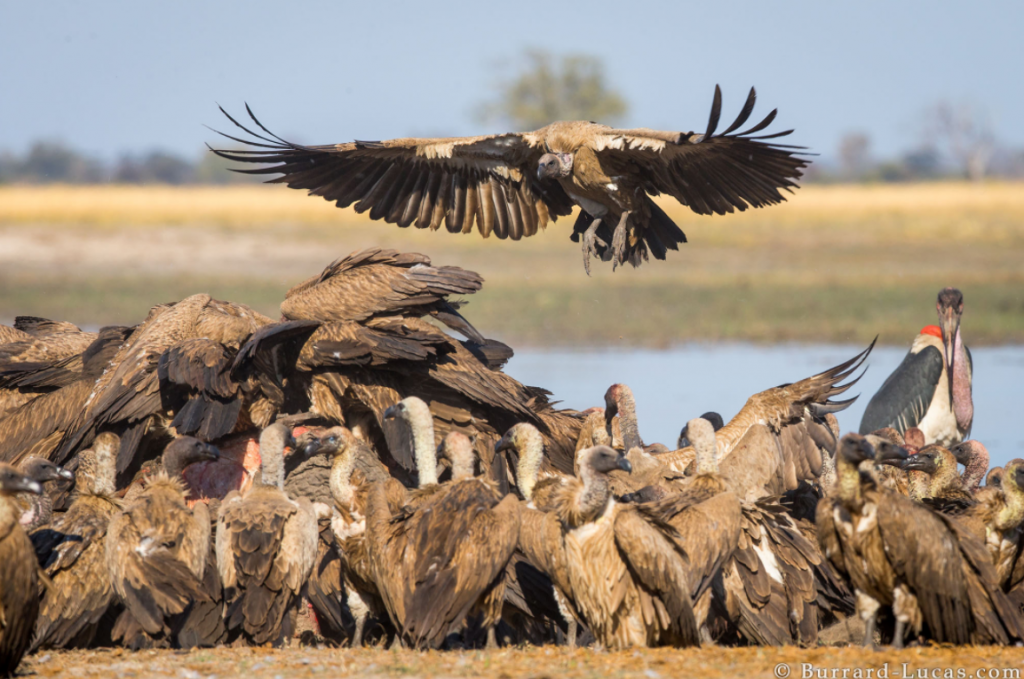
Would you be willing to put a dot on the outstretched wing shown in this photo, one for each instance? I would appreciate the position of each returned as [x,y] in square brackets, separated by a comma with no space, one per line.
[903,399]
[487,181]
[710,174]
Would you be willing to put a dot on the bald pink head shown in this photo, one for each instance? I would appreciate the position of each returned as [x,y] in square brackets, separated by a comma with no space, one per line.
[974,457]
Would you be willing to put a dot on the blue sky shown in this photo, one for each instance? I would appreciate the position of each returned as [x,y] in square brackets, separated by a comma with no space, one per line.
[110,77]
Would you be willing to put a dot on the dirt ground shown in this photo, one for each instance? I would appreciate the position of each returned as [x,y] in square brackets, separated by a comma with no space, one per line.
[533,662]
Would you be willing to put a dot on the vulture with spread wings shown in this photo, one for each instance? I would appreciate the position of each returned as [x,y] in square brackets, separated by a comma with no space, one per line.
[512,184]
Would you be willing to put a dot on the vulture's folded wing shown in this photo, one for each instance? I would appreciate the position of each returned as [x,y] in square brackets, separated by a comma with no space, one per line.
[488,181]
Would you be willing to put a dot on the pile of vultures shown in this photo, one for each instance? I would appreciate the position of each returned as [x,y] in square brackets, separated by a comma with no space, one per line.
[355,474]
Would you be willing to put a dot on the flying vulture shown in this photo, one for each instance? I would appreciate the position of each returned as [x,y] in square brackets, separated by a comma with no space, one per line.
[512,184]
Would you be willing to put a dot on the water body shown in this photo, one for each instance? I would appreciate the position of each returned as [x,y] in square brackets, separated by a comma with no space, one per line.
[675,385]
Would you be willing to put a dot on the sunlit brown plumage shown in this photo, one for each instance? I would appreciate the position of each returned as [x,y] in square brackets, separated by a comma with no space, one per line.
[935,575]
[71,553]
[444,558]
[156,547]
[511,185]
[19,579]
[180,356]
[266,547]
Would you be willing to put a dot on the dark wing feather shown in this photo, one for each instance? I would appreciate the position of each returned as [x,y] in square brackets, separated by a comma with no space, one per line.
[396,179]
[906,394]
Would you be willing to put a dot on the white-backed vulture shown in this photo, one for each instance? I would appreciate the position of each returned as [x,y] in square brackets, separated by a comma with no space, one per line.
[360,337]
[1000,510]
[538,489]
[37,508]
[936,576]
[266,546]
[156,547]
[19,572]
[934,479]
[178,361]
[71,553]
[624,565]
[512,184]
[443,558]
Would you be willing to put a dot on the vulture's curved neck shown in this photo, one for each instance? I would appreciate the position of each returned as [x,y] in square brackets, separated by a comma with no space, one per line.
[530,457]
[341,478]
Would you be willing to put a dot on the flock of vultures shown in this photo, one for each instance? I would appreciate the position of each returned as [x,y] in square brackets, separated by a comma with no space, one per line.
[362,471]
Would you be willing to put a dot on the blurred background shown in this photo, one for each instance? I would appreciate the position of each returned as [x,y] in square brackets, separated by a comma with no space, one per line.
[110,203]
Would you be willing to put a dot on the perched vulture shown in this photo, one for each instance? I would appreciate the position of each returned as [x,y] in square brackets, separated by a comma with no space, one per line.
[156,548]
[512,184]
[266,546]
[937,577]
[71,552]
[19,573]
[442,559]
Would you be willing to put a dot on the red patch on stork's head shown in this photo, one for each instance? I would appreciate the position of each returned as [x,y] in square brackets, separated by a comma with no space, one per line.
[932,330]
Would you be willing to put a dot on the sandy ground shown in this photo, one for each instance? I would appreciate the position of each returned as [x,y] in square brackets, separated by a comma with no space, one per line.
[533,662]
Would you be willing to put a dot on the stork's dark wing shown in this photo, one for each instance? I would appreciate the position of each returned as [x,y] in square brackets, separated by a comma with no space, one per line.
[710,174]
[904,397]
[461,181]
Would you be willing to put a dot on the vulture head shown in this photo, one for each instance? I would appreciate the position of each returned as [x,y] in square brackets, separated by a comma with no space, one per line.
[711,416]
[13,482]
[995,477]
[42,470]
[603,459]
[933,460]
[973,455]
[1013,475]
[554,166]
[856,449]
[335,441]
[186,450]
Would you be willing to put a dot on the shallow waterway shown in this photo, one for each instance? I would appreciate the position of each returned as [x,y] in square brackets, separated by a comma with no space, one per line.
[674,385]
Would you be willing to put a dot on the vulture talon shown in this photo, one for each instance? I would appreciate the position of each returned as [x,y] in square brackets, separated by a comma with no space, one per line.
[619,241]
[589,242]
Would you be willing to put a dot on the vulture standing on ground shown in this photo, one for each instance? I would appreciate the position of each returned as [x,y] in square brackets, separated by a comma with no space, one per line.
[931,388]
[441,560]
[71,553]
[936,576]
[624,566]
[156,548]
[19,573]
[266,546]
[512,184]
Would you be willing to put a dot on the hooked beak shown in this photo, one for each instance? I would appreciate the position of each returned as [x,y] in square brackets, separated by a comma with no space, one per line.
[307,444]
[22,484]
[211,453]
[391,413]
[65,474]
[625,466]
[919,463]
[890,454]
[949,324]
[504,444]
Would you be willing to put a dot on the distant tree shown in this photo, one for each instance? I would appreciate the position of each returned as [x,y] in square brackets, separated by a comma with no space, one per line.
[854,154]
[50,162]
[966,133]
[156,167]
[549,88]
